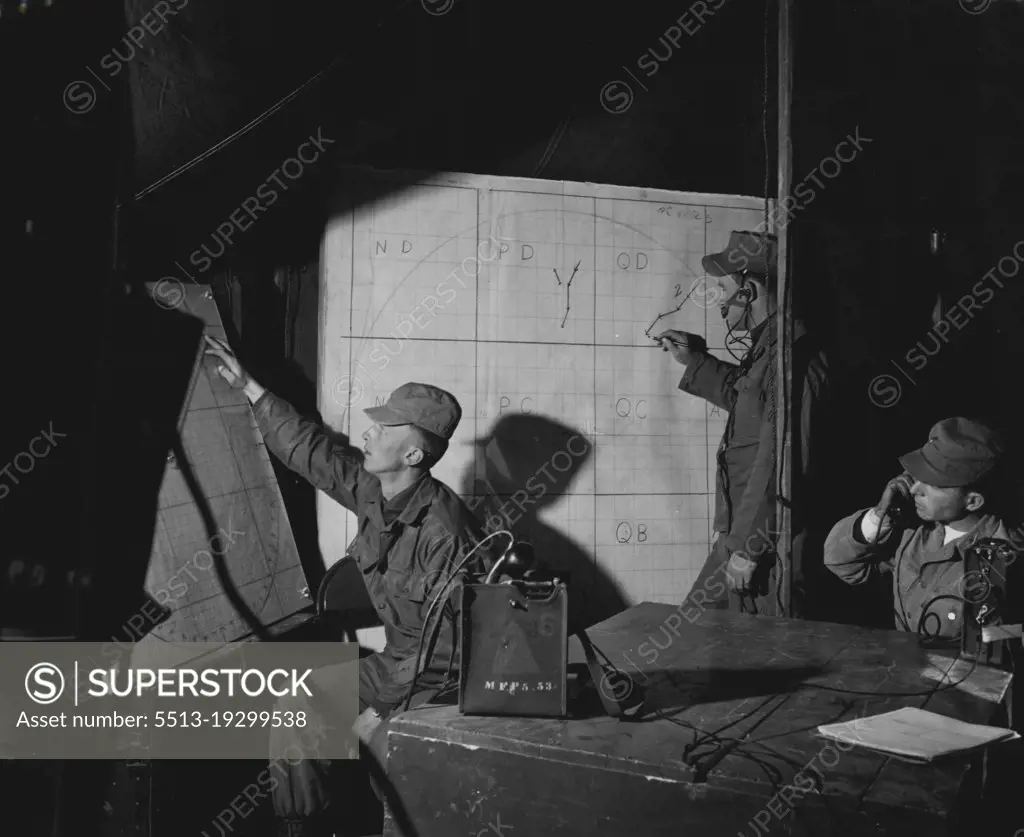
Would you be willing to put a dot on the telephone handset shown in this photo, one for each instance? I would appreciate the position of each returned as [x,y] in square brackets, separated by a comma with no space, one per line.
[903,507]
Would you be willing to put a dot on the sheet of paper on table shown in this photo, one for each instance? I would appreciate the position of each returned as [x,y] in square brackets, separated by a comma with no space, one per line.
[916,735]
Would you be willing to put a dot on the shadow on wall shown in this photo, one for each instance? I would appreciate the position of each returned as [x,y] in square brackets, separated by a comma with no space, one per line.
[524,465]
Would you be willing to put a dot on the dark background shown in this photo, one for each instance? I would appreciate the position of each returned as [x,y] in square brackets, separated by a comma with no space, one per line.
[200,113]
[499,88]
[509,88]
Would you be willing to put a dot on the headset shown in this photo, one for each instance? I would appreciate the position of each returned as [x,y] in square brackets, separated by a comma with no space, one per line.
[742,297]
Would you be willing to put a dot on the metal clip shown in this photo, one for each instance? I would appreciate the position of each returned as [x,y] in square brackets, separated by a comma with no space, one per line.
[985,615]
[208,294]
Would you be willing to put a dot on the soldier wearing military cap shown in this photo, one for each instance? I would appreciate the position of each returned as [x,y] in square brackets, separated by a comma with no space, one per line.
[413,531]
[946,500]
[742,573]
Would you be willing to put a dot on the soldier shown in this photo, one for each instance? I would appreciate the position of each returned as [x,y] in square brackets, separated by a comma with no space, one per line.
[947,499]
[414,534]
[740,572]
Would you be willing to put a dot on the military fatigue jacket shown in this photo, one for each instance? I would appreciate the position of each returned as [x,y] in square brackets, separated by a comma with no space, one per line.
[405,562]
[746,473]
[927,575]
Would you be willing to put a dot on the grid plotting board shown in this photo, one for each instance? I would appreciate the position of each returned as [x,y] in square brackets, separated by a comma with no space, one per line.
[532,302]
[230,462]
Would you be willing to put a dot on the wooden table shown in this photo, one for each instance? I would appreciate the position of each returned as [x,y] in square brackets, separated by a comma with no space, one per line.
[761,685]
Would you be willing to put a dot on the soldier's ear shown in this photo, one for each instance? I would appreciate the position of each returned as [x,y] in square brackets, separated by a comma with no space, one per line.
[974,500]
[756,288]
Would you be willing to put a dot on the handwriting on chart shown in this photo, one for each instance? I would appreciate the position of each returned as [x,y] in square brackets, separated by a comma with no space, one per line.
[630,532]
[625,260]
[685,213]
[677,292]
[404,246]
[627,409]
[568,285]
[505,402]
[636,260]
[386,246]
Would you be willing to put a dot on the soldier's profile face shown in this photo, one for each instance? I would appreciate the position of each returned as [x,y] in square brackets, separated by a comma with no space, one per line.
[384,447]
[732,309]
[939,505]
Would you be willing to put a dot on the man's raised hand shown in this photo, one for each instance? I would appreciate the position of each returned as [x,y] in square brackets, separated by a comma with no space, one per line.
[229,367]
[684,346]
[878,521]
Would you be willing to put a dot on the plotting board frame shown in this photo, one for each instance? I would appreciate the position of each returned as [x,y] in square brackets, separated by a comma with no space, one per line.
[396,238]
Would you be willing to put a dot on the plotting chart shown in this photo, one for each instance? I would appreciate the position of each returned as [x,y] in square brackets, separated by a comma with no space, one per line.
[532,302]
[231,465]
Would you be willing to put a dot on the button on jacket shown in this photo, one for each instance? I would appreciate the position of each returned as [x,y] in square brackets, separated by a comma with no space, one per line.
[405,548]
[927,575]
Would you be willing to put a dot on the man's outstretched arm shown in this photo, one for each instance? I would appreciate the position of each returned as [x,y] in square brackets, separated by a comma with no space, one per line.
[711,379]
[300,443]
[705,375]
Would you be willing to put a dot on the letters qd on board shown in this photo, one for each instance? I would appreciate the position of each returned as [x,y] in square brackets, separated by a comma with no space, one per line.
[631,260]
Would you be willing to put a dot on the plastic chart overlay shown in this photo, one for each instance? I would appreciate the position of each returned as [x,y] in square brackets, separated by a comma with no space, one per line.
[230,461]
[532,302]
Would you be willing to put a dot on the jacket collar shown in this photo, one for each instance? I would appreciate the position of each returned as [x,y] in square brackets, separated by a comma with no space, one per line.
[989,526]
[418,498]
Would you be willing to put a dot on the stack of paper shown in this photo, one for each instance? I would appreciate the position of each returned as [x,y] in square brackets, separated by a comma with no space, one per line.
[915,734]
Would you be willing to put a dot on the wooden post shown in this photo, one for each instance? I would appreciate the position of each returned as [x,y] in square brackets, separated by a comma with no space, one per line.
[784,388]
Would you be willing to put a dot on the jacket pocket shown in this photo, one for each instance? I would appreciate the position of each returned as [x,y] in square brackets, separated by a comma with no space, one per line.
[405,586]
[362,553]
[407,601]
